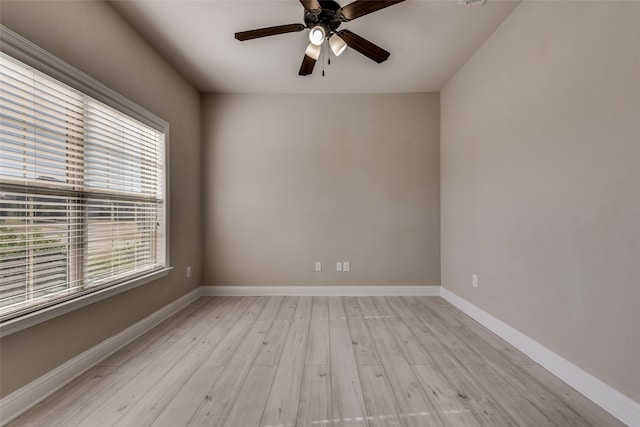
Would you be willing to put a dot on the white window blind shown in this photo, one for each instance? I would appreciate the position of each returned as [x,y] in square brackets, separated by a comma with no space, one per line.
[81,193]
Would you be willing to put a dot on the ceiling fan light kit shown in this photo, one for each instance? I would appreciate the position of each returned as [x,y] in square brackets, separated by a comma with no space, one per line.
[323,17]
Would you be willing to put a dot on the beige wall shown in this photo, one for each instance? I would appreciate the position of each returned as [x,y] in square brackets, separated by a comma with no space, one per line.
[93,38]
[541,182]
[292,179]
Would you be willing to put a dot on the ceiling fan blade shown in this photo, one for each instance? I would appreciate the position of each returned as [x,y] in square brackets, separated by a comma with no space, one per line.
[269,31]
[307,66]
[310,4]
[360,8]
[365,47]
[311,55]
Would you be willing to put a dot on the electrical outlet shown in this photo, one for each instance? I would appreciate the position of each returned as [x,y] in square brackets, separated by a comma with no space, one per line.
[346,266]
[318,266]
[338,266]
[474,279]
[188,272]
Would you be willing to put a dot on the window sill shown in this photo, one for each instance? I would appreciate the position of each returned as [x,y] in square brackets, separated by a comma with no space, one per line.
[23,322]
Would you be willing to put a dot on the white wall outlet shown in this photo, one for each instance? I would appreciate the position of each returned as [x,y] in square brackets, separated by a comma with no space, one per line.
[474,279]
[188,272]
[318,266]
[338,266]
[346,266]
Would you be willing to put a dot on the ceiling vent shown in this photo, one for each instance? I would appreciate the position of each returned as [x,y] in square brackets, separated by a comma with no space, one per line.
[471,2]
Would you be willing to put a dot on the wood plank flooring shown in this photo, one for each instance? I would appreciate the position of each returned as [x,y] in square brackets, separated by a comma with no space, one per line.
[317,361]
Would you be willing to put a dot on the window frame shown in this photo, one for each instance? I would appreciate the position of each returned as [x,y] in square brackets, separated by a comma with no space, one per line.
[32,55]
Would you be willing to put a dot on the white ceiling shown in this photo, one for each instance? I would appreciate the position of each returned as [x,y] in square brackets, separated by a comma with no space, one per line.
[429,41]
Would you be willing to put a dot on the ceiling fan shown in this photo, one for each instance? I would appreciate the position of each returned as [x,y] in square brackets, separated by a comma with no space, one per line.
[323,18]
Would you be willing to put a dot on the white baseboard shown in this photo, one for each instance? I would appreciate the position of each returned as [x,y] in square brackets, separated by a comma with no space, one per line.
[320,290]
[611,400]
[24,398]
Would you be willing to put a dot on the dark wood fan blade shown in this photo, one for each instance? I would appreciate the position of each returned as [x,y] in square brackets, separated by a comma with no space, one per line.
[360,8]
[307,66]
[365,47]
[269,31]
[310,4]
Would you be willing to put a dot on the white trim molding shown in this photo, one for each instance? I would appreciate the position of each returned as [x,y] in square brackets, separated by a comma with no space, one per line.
[422,290]
[32,55]
[611,400]
[75,302]
[20,48]
[14,404]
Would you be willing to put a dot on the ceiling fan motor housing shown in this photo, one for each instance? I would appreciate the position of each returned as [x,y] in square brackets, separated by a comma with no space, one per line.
[327,16]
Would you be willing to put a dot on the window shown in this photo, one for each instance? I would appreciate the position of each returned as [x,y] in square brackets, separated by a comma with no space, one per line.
[82,191]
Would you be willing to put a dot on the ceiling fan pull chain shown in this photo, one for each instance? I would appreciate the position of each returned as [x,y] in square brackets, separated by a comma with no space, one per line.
[323,51]
[329,53]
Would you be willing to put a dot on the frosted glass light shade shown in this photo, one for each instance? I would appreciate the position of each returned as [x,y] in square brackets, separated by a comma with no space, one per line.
[337,44]
[313,51]
[317,35]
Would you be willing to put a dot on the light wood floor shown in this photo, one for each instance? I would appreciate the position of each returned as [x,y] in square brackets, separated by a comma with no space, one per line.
[317,361]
